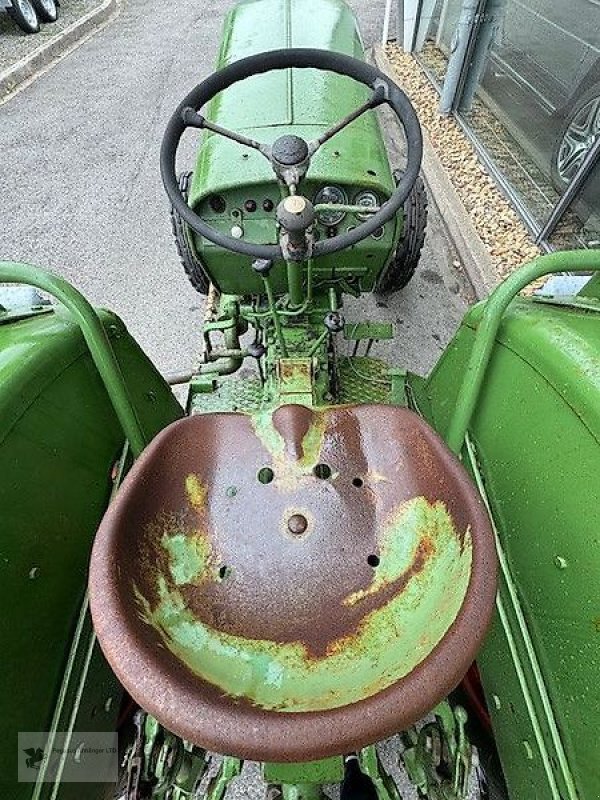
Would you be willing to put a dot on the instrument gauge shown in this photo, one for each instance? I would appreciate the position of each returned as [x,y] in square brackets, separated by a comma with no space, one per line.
[369,200]
[331,195]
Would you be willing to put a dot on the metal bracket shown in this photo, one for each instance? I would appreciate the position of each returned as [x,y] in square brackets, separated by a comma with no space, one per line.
[382,780]
[438,756]
[295,377]
[161,766]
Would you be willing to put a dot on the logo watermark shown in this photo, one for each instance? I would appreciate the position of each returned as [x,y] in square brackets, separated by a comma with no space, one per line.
[88,757]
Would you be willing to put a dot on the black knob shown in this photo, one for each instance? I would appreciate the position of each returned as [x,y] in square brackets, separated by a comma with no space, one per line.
[256,350]
[334,322]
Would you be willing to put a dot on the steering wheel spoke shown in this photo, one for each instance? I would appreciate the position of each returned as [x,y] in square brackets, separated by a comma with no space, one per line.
[378,97]
[193,119]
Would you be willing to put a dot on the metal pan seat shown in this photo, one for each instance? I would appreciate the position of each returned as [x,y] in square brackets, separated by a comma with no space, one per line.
[296,584]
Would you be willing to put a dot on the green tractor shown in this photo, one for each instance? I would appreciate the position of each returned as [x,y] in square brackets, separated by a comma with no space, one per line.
[307,561]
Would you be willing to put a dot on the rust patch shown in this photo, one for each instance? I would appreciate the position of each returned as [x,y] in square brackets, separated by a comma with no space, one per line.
[292,423]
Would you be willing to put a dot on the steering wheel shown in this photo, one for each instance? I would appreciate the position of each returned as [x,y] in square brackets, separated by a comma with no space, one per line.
[290,155]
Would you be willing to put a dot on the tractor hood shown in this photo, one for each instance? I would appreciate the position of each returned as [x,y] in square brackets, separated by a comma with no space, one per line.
[304,102]
[288,97]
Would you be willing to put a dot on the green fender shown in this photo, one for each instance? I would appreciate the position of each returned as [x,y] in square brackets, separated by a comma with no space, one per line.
[534,445]
[59,441]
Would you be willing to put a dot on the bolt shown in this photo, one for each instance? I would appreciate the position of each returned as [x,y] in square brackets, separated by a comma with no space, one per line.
[560,562]
[256,350]
[33,573]
[496,702]
[334,322]
[231,491]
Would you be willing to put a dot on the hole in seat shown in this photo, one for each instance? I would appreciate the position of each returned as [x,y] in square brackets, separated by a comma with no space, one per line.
[265,475]
[322,471]
[373,560]
[358,482]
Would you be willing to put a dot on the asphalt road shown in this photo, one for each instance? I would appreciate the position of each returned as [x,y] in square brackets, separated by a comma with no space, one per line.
[81,192]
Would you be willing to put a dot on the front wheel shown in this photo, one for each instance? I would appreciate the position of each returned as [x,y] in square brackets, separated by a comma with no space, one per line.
[193,266]
[47,10]
[24,15]
[401,268]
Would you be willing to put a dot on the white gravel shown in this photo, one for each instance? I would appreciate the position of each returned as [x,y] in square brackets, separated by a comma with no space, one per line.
[503,233]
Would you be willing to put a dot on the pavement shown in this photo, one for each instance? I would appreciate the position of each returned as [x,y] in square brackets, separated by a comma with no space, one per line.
[81,192]
[15,44]
[23,56]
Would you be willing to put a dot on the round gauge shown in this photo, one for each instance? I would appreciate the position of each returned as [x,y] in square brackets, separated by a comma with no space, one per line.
[332,195]
[369,200]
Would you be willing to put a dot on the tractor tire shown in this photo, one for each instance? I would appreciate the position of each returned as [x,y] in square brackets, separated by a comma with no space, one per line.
[47,10]
[24,15]
[401,268]
[193,266]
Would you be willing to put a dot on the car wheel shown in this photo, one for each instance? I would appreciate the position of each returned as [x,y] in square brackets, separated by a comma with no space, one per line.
[25,16]
[401,268]
[193,266]
[47,10]
[579,132]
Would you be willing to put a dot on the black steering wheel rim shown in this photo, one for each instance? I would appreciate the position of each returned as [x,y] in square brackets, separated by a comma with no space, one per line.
[299,58]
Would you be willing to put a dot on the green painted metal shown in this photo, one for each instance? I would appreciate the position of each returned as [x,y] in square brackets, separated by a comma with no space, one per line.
[229,769]
[327,770]
[95,336]
[546,738]
[438,755]
[592,288]
[378,331]
[495,307]
[533,447]
[87,685]
[172,766]
[371,765]
[59,440]
[302,102]
[362,380]
[301,791]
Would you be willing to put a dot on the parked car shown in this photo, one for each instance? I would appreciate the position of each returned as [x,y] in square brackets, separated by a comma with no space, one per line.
[542,77]
[28,14]
[552,49]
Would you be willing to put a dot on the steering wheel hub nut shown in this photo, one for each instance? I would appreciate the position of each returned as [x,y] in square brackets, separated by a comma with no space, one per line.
[289,151]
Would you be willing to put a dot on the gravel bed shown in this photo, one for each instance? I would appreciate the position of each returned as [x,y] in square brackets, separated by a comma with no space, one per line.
[497,223]
[16,45]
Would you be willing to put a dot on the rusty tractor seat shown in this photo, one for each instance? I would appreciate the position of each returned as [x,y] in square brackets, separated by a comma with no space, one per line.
[293,585]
